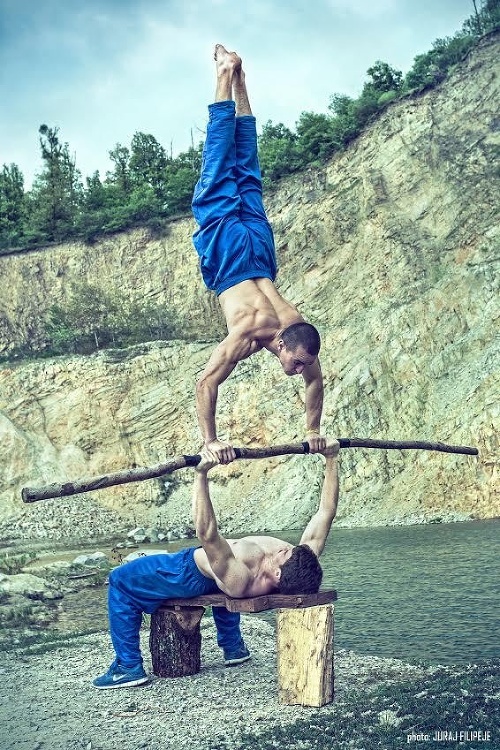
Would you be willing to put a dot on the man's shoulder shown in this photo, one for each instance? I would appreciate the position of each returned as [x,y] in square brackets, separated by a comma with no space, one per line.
[242,343]
[265,541]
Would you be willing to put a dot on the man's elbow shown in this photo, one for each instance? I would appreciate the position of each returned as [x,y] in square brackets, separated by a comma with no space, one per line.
[207,533]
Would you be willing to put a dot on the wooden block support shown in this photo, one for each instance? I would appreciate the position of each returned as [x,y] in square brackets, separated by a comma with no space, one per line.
[304,640]
[305,655]
[175,641]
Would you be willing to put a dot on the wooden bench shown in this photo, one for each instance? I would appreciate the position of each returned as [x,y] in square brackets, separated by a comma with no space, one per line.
[304,636]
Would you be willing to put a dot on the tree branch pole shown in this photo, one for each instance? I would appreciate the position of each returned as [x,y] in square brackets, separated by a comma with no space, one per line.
[33,494]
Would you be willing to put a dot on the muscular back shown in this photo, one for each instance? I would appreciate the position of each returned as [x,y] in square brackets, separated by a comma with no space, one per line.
[256,308]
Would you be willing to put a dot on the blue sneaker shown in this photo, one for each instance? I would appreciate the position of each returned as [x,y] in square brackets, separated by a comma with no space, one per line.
[231,658]
[117,677]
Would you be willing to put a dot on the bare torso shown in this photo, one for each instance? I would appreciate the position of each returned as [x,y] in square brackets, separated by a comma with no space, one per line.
[256,308]
[256,552]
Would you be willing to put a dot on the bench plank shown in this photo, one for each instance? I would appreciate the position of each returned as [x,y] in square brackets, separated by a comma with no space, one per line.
[256,603]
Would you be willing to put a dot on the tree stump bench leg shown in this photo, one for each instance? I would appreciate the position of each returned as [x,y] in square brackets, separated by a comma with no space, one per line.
[175,641]
[305,655]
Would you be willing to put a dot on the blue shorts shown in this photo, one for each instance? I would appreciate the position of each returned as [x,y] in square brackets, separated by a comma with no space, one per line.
[234,240]
[151,579]
[143,584]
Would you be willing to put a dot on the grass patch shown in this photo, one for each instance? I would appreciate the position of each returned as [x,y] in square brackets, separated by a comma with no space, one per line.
[392,716]
[13,562]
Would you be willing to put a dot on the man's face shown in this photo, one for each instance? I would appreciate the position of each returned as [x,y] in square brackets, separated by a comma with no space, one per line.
[294,361]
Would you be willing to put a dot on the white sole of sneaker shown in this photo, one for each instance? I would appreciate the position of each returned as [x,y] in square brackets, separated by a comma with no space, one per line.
[133,683]
[234,662]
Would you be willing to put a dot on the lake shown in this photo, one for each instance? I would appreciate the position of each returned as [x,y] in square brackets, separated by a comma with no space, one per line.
[417,593]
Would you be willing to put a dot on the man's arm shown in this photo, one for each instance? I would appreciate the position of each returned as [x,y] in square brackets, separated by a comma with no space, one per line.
[232,575]
[318,528]
[222,362]
[313,379]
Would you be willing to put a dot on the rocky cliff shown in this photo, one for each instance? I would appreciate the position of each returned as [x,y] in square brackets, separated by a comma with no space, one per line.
[391,250]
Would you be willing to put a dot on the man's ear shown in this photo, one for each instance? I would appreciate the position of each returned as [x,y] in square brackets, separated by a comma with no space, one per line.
[281,345]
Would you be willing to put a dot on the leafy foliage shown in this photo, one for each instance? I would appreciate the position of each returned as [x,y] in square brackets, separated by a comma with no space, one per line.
[52,204]
[14,562]
[146,186]
[12,204]
[278,152]
[95,318]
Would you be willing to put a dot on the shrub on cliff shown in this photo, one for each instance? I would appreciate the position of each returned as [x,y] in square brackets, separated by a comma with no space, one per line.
[94,318]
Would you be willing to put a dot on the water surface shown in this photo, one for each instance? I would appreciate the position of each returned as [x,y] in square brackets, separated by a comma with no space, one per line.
[418,593]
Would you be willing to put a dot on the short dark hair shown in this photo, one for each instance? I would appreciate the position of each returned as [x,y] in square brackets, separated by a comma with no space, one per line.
[301,573]
[302,334]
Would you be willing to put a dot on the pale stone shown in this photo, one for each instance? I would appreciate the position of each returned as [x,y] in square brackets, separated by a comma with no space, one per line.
[29,586]
[95,558]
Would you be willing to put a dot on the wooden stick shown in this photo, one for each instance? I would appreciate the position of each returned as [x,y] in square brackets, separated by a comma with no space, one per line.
[33,494]
[407,445]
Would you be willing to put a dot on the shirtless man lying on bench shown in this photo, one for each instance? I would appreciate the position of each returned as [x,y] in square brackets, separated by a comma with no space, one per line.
[247,567]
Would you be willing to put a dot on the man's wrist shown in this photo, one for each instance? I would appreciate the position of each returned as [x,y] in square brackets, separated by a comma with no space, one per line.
[312,431]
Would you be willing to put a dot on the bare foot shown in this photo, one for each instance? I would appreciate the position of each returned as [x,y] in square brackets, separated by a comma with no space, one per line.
[226,61]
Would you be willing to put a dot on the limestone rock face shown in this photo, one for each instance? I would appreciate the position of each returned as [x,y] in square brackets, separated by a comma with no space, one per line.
[391,250]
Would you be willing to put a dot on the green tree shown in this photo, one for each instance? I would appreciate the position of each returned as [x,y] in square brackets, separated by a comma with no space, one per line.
[54,200]
[384,78]
[484,19]
[95,193]
[317,137]
[430,68]
[182,175]
[94,318]
[148,163]
[12,206]
[278,152]
[490,15]
[101,201]
[344,120]
[90,320]
[120,176]
[142,205]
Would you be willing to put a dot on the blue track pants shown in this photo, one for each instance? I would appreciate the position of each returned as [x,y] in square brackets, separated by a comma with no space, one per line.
[234,240]
[143,584]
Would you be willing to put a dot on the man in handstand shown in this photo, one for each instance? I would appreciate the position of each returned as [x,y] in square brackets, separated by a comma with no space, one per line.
[237,258]
[247,567]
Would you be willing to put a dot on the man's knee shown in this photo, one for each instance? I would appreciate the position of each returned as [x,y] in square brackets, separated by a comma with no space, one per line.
[114,576]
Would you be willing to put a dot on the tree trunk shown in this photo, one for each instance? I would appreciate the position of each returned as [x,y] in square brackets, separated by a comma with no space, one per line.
[175,641]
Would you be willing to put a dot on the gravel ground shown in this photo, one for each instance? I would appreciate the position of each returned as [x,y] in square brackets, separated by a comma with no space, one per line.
[47,701]
[63,519]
